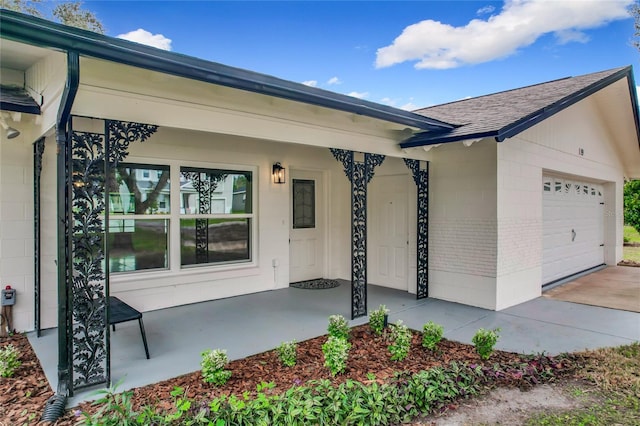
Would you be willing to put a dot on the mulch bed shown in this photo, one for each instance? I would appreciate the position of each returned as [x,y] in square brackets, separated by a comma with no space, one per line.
[369,354]
[23,396]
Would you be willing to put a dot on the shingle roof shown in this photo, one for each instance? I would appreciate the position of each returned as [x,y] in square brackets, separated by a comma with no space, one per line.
[505,114]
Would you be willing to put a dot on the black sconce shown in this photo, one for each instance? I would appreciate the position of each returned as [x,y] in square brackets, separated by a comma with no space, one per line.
[278,173]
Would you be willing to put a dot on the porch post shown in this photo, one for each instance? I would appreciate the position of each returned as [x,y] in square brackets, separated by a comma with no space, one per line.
[38,151]
[420,171]
[92,157]
[89,327]
[359,174]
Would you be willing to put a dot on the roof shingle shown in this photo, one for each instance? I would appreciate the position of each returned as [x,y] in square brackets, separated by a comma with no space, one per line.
[507,113]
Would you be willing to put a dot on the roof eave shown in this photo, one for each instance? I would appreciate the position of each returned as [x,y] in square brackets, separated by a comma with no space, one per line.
[428,138]
[15,107]
[31,30]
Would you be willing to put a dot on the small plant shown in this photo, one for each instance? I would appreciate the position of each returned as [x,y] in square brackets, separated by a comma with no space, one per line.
[9,361]
[287,353]
[484,341]
[338,327]
[336,352]
[431,335]
[377,319]
[213,364]
[115,408]
[401,341]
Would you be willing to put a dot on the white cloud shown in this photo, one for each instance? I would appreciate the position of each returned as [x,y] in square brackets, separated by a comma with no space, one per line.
[333,80]
[311,83]
[409,107]
[359,95]
[569,36]
[485,10]
[388,101]
[145,37]
[519,24]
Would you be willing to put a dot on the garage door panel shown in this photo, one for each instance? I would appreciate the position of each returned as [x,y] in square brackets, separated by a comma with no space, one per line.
[573,228]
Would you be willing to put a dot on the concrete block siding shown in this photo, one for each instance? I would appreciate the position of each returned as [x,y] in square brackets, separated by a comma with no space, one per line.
[553,146]
[16,226]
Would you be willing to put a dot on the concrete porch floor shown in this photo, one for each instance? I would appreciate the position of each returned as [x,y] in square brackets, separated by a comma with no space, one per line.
[250,324]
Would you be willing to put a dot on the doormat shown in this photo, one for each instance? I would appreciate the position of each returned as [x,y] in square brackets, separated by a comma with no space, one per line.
[317,284]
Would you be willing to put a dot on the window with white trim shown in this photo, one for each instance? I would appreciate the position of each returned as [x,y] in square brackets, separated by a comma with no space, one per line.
[139,208]
[216,215]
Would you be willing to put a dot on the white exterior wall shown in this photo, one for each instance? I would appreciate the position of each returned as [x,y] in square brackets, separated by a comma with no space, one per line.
[550,146]
[462,223]
[158,289]
[16,226]
[45,78]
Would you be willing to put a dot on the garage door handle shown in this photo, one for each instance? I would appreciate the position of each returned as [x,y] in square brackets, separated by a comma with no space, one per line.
[573,235]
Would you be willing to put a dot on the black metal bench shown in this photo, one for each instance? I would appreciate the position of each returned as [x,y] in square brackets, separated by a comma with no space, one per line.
[121,312]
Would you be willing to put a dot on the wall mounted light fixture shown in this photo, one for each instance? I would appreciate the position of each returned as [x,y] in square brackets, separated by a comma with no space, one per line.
[10,131]
[278,173]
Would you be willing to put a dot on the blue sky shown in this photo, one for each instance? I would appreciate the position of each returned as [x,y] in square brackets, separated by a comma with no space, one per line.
[405,54]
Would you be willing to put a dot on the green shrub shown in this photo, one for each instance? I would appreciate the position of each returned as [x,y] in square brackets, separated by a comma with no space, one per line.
[336,353]
[397,401]
[115,408]
[377,319]
[431,335]
[484,341]
[338,327]
[287,353]
[400,341]
[9,361]
[213,364]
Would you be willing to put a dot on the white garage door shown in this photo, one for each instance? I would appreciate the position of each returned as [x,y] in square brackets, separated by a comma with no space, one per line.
[573,230]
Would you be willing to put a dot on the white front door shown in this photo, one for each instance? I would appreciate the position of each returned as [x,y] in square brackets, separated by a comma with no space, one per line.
[388,231]
[573,227]
[306,231]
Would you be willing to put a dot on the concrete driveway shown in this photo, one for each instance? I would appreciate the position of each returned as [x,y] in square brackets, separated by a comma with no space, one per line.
[615,287]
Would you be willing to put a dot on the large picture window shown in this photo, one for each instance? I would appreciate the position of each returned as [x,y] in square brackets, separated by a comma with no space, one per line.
[139,208]
[215,216]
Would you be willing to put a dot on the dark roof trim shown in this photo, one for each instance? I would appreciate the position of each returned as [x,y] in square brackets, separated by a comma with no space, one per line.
[17,100]
[634,103]
[430,138]
[40,32]
[423,139]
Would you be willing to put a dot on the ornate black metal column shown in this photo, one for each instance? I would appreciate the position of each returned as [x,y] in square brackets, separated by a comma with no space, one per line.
[359,174]
[93,156]
[89,327]
[38,151]
[420,172]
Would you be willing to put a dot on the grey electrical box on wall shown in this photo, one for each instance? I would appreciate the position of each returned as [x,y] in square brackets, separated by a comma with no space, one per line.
[8,297]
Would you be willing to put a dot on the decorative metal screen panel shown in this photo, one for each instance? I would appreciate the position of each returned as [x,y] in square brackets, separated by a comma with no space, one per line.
[89,326]
[421,179]
[359,174]
[38,151]
[87,283]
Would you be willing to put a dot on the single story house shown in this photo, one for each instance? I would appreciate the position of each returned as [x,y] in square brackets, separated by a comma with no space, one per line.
[168,180]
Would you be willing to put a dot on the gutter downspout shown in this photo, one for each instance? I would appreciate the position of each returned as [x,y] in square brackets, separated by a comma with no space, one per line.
[56,405]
